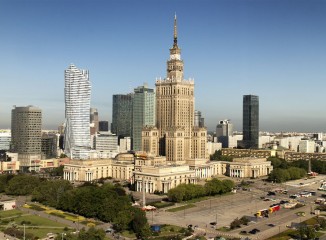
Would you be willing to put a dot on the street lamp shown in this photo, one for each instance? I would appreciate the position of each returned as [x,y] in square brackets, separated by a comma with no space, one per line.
[62,234]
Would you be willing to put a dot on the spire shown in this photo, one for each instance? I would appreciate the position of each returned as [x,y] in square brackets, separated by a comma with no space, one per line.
[175,33]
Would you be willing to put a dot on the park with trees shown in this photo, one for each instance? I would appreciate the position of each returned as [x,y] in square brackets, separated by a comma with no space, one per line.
[212,187]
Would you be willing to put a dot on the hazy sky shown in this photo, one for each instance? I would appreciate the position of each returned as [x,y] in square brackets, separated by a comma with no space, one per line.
[275,49]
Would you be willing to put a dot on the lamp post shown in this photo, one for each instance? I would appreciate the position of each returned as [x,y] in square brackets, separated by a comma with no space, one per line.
[62,234]
[24,232]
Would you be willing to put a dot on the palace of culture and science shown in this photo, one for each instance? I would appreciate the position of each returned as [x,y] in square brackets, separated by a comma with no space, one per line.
[174,151]
[175,135]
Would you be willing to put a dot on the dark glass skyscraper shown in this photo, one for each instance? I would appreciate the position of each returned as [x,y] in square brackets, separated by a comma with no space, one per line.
[122,115]
[250,120]
[103,126]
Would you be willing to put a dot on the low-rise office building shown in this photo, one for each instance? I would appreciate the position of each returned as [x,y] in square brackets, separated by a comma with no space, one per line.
[248,152]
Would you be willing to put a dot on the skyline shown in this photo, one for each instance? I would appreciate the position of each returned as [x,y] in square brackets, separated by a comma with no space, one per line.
[273,49]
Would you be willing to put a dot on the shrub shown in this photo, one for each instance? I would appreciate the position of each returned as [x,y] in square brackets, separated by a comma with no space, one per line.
[236,223]
[244,220]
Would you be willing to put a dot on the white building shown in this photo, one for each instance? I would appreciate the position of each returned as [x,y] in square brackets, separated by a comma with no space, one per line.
[77,140]
[106,141]
[5,138]
[263,140]
[291,143]
[125,145]
[7,204]
[213,146]
[233,140]
[307,146]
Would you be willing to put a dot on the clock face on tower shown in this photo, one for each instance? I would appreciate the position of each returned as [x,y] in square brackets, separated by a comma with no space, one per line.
[175,57]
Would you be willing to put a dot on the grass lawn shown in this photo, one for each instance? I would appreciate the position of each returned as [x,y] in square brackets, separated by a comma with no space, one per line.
[283,235]
[286,235]
[207,198]
[198,237]
[10,213]
[42,232]
[224,229]
[38,226]
[128,234]
[162,204]
[38,221]
[181,208]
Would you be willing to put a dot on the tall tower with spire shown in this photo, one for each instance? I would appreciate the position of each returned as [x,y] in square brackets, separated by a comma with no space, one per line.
[175,106]
[175,64]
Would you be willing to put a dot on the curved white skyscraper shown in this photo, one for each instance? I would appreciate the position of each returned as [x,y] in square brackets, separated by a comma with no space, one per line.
[77,140]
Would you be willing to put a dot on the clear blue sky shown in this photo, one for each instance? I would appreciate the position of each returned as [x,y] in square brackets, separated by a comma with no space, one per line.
[272,48]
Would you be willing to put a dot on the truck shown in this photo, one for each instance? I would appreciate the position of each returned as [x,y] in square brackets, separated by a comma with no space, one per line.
[266,212]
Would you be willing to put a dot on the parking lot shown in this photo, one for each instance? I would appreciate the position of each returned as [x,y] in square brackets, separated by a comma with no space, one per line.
[223,210]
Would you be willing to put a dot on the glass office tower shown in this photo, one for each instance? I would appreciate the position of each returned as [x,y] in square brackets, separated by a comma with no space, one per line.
[250,121]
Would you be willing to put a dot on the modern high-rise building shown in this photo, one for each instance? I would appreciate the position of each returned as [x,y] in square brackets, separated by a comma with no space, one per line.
[143,114]
[49,145]
[94,123]
[199,120]
[250,125]
[224,129]
[77,140]
[26,130]
[103,126]
[175,107]
[122,115]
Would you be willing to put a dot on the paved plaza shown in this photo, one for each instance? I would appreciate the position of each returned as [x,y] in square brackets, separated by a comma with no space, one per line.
[224,209]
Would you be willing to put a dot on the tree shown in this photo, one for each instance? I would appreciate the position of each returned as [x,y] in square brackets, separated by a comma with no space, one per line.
[236,223]
[57,172]
[92,233]
[279,175]
[228,185]
[4,179]
[217,156]
[139,224]
[122,220]
[306,232]
[213,187]
[50,192]
[176,194]
[22,185]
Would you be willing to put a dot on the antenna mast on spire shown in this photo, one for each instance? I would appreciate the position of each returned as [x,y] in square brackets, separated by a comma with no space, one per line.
[175,33]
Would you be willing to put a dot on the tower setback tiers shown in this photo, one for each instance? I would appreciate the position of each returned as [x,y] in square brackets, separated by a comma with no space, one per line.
[175,106]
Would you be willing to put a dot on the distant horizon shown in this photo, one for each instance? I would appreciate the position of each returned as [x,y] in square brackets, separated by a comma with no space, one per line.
[273,49]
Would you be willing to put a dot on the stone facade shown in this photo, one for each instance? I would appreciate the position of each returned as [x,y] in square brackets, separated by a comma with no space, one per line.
[120,168]
[178,139]
[248,152]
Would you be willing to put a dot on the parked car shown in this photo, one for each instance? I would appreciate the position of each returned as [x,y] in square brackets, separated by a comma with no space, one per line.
[109,230]
[284,201]
[254,231]
[243,232]
[271,225]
